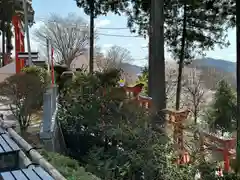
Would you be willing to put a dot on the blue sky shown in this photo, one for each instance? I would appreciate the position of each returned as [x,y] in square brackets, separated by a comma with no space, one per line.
[136,45]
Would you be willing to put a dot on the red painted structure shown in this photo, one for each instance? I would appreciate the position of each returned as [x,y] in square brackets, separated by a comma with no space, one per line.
[52,66]
[221,144]
[176,118]
[19,41]
[225,145]
[135,90]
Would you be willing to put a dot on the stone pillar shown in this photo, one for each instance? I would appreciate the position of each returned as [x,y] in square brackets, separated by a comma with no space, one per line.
[47,116]
[45,132]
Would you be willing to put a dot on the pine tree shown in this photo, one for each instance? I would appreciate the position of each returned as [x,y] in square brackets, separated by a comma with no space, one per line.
[223,114]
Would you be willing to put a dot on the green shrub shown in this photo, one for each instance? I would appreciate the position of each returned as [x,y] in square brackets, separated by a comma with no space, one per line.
[116,142]
[84,105]
[26,94]
[39,72]
[109,77]
[68,167]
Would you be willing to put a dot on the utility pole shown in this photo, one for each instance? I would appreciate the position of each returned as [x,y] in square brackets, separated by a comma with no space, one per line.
[238,84]
[91,53]
[157,61]
[27,31]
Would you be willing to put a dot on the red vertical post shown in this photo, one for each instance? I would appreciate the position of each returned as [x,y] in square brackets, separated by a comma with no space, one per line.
[52,68]
[226,159]
[22,49]
[15,21]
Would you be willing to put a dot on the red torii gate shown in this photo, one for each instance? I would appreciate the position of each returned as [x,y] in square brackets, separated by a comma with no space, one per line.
[175,118]
[221,144]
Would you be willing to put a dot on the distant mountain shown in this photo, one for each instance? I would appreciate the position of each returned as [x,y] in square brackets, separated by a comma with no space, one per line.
[131,72]
[219,64]
[134,69]
[212,71]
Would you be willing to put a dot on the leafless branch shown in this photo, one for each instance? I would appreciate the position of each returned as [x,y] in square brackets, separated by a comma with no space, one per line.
[195,91]
[114,58]
[68,36]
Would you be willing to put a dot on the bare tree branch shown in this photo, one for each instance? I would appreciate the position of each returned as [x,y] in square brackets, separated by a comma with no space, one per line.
[171,79]
[114,58]
[68,36]
[195,91]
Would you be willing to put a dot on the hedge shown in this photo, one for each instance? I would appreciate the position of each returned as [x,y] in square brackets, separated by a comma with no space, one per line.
[68,167]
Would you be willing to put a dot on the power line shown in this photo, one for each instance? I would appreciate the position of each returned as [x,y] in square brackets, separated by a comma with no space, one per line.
[103,34]
[109,28]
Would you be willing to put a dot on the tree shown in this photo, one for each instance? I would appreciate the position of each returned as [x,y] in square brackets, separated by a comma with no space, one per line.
[143,78]
[194,89]
[94,8]
[238,83]
[223,113]
[68,36]
[157,84]
[171,79]
[170,76]
[116,143]
[156,63]
[25,92]
[113,59]
[200,29]
[200,26]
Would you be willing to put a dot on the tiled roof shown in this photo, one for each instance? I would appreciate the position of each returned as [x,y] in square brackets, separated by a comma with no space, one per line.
[19,160]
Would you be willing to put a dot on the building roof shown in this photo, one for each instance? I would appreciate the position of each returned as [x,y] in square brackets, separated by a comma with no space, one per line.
[26,162]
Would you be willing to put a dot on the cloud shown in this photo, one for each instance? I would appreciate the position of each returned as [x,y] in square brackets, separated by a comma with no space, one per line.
[102,23]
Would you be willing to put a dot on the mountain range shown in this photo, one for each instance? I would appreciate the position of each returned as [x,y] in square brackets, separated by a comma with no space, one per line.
[219,64]
[212,71]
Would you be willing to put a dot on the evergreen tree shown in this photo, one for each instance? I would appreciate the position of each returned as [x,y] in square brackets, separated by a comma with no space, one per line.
[223,109]
[143,78]
[191,27]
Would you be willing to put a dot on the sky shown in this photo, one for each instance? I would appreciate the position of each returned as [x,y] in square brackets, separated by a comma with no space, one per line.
[136,45]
